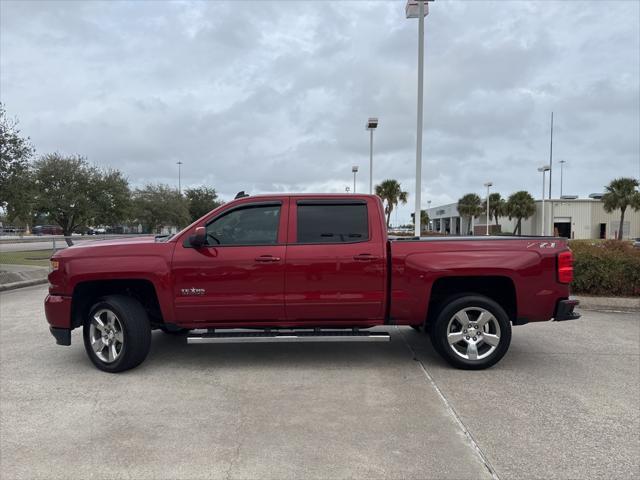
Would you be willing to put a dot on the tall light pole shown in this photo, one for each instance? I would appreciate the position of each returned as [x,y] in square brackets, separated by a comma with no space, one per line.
[488,185]
[544,169]
[179,177]
[429,208]
[551,156]
[562,162]
[354,169]
[372,124]
[413,9]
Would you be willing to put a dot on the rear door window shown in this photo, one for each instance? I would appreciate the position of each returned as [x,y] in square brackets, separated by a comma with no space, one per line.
[332,222]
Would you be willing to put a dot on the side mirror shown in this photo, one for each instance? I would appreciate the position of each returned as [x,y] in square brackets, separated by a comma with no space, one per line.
[199,238]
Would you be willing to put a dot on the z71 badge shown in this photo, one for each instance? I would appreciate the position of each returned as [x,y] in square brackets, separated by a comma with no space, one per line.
[542,244]
[192,292]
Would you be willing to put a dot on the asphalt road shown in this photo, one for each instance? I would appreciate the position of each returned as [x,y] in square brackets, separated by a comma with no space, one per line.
[563,403]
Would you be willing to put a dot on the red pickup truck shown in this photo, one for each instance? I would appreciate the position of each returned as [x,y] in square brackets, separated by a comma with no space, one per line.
[305,268]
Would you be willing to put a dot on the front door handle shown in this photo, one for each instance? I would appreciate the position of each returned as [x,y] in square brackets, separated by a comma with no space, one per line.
[365,257]
[267,259]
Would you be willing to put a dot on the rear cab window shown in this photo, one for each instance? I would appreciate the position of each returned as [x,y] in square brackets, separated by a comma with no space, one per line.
[322,221]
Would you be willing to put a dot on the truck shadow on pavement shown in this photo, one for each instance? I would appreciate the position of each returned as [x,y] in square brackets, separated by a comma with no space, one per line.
[167,350]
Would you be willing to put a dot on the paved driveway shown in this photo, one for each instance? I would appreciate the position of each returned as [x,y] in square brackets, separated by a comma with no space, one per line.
[563,403]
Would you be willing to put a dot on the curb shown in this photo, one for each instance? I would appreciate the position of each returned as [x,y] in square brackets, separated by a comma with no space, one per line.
[22,283]
[624,304]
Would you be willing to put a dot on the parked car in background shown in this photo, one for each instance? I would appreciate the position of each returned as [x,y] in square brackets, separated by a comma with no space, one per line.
[636,242]
[47,230]
[11,230]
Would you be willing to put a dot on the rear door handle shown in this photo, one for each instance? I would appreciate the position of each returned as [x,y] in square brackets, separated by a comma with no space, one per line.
[365,257]
[267,259]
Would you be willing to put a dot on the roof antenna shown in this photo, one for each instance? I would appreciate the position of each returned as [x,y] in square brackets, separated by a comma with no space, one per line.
[241,194]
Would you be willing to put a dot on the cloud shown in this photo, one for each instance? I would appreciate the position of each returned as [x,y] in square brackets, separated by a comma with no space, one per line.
[273,96]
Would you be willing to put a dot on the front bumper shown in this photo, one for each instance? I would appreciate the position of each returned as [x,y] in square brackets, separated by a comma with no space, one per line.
[564,310]
[57,309]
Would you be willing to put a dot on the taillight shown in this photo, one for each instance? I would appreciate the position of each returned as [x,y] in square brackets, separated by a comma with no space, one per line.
[565,266]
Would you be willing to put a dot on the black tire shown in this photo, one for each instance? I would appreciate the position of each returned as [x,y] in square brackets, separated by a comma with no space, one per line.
[439,332]
[136,333]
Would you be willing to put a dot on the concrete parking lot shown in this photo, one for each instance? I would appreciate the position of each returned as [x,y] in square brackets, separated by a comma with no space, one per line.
[563,403]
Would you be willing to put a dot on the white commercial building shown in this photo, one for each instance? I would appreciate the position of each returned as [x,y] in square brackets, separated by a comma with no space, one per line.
[575,218]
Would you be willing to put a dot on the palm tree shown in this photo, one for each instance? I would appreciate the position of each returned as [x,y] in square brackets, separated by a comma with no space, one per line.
[391,193]
[621,194]
[424,219]
[497,207]
[520,205]
[469,206]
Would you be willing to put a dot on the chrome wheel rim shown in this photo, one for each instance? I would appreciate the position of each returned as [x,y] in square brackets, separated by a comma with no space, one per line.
[473,333]
[106,335]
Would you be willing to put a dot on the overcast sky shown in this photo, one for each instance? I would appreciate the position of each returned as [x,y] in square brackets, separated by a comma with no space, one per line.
[273,96]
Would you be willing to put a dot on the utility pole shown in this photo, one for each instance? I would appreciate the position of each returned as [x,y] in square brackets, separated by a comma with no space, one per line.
[354,169]
[488,185]
[551,156]
[372,124]
[179,177]
[419,9]
[543,169]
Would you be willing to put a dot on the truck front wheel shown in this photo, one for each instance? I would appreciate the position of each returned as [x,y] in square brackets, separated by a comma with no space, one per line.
[471,332]
[117,334]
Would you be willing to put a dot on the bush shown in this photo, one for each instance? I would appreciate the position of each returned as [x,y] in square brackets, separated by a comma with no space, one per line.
[609,267]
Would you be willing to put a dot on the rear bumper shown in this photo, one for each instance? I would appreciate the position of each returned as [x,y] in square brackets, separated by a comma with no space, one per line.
[564,310]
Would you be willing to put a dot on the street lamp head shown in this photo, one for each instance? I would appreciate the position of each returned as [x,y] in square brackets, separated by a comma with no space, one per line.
[412,9]
[544,168]
[563,161]
[372,123]
[354,169]
[488,184]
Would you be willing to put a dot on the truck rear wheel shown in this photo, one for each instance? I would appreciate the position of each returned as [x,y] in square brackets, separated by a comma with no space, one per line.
[117,334]
[471,332]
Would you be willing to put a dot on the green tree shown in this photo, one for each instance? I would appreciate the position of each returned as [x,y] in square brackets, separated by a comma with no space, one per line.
[73,193]
[520,205]
[158,205]
[621,194]
[497,207]
[113,202]
[391,193]
[16,182]
[201,201]
[469,206]
[424,219]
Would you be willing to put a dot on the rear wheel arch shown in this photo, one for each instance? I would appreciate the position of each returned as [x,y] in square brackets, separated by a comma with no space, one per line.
[500,289]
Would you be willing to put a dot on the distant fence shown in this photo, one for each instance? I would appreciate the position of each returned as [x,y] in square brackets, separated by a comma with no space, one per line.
[35,251]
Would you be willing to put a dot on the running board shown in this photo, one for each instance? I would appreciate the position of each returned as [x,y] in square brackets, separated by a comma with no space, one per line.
[289,336]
